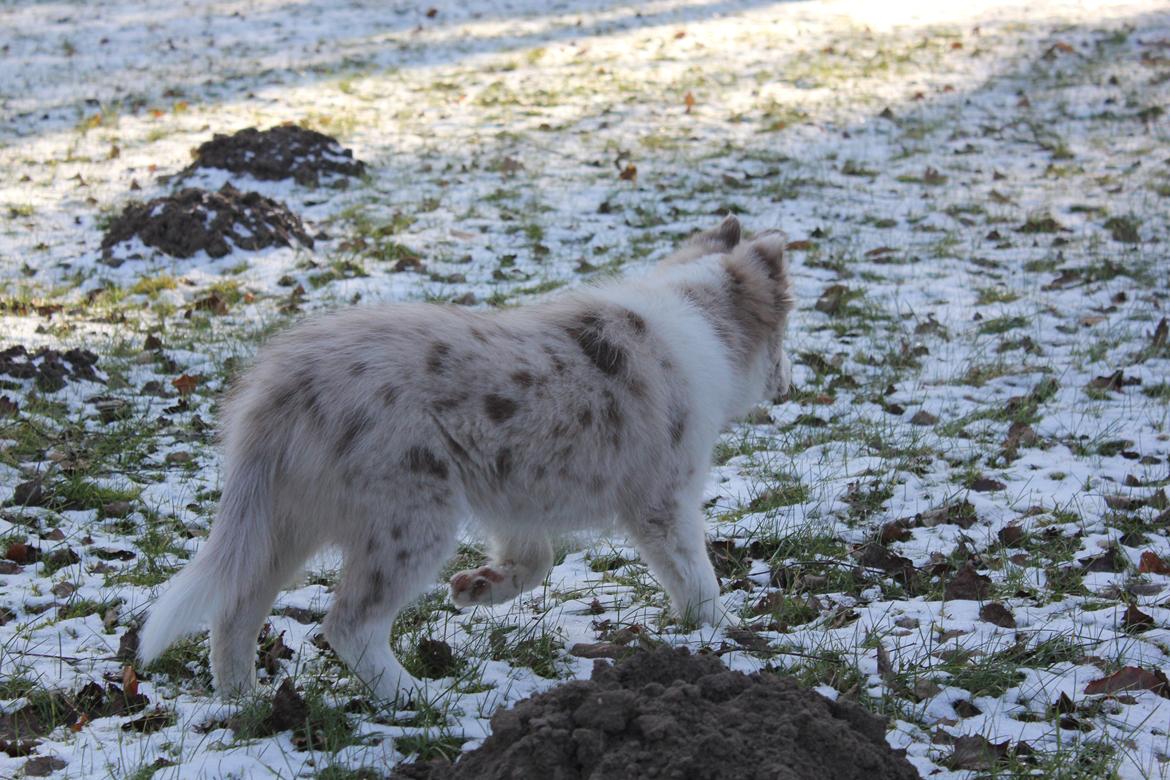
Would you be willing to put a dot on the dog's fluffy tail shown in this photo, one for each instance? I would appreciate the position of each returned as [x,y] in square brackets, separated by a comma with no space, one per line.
[223,569]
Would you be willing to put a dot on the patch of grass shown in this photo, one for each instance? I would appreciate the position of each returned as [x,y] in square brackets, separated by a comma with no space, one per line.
[186,659]
[537,649]
[1003,324]
[151,286]
[430,745]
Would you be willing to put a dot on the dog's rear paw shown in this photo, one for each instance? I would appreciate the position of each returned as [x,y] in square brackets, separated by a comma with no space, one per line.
[478,586]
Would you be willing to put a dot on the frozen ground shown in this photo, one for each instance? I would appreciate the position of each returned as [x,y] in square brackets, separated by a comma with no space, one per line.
[958,519]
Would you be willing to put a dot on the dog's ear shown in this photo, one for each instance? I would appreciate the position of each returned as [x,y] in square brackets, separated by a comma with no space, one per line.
[766,252]
[767,249]
[727,235]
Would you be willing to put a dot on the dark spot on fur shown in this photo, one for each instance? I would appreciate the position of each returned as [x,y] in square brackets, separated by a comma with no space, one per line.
[498,407]
[396,533]
[447,404]
[612,413]
[557,364]
[678,426]
[637,388]
[597,484]
[420,460]
[356,423]
[585,417]
[504,463]
[522,378]
[609,358]
[539,472]
[389,394]
[477,334]
[637,323]
[375,591]
[435,357]
[358,368]
[403,555]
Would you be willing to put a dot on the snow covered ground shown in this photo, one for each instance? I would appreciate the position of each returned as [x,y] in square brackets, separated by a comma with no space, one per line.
[958,519]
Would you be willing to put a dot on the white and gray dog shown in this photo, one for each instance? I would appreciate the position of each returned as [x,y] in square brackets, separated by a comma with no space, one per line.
[379,430]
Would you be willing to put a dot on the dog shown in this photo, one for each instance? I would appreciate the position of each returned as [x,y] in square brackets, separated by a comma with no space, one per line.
[379,430]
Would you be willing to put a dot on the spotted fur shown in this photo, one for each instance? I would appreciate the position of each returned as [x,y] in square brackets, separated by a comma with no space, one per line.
[380,430]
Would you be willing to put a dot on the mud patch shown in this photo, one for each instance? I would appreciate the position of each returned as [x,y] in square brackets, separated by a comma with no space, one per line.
[671,714]
[195,220]
[282,152]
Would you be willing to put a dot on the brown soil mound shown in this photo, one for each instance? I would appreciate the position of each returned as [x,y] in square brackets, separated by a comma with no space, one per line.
[669,714]
[217,222]
[282,152]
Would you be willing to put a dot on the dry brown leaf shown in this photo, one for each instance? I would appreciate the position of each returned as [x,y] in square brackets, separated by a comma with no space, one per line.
[1131,678]
[1150,563]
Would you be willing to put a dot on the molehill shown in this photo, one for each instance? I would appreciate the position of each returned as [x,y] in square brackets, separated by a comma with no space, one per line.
[670,714]
[281,152]
[194,219]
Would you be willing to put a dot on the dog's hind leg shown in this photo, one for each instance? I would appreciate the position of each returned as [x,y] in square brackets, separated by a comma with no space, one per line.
[516,564]
[385,568]
[239,617]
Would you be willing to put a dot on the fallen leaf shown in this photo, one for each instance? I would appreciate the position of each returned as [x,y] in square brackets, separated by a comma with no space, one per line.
[976,752]
[986,485]
[155,720]
[1131,678]
[1150,563]
[436,659]
[629,173]
[19,552]
[43,766]
[185,384]
[925,688]
[923,417]
[831,299]
[965,709]
[213,303]
[968,585]
[1010,535]
[997,614]
[129,681]
[1111,560]
[689,101]
[288,708]
[895,531]
[1136,621]
[960,513]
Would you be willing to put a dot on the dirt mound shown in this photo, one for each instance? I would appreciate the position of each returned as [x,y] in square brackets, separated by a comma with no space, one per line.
[282,152]
[669,714]
[217,222]
[51,369]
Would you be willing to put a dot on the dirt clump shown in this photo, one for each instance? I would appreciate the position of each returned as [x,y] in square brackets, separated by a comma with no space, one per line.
[670,714]
[281,152]
[195,220]
[51,369]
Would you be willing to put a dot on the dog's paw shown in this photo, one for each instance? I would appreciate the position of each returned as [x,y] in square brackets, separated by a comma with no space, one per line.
[475,586]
